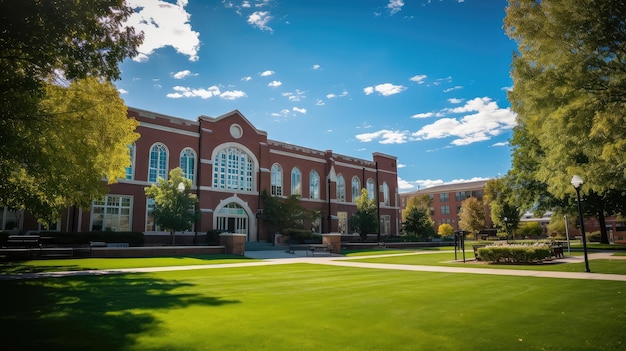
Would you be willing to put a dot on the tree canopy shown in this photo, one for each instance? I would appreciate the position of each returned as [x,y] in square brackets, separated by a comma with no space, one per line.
[419,223]
[472,216]
[569,91]
[503,211]
[56,59]
[175,207]
[365,220]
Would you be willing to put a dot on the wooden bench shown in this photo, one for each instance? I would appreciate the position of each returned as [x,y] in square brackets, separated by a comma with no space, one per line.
[320,250]
[295,247]
[557,251]
[24,241]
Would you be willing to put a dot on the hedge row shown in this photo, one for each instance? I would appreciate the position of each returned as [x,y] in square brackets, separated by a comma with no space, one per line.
[514,254]
[83,238]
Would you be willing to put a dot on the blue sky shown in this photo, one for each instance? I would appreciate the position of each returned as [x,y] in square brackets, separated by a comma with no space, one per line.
[422,80]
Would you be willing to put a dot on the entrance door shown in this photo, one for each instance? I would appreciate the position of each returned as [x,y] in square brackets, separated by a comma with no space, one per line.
[232,218]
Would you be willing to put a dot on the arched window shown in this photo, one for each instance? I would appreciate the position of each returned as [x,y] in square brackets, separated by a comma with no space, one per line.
[130,170]
[371,189]
[314,185]
[356,188]
[233,169]
[157,167]
[188,163]
[296,182]
[277,180]
[385,194]
[341,188]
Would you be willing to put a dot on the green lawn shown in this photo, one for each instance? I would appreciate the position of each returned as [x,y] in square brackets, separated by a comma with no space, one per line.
[114,263]
[311,307]
[444,258]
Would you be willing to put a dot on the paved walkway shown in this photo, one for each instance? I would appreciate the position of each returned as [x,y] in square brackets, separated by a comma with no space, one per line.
[275,257]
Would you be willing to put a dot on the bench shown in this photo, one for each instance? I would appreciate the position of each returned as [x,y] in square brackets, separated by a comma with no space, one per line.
[23,241]
[557,251]
[320,249]
[293,248]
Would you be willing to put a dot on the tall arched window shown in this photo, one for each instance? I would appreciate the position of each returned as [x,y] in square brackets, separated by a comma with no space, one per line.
[277,180]
[188,163]
[233,169]
[314,185]
[157,167]
[296,182]
[341,188]
[385,194]
[130,170]
[371,189]
[356,188]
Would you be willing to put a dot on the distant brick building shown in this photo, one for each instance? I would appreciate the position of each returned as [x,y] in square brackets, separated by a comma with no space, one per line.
[446,202]
[231,163]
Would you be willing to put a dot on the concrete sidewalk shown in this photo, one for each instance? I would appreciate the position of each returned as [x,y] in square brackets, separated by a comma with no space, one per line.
[275,257]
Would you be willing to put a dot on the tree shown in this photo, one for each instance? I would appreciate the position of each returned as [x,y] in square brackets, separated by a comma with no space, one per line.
[530,230]
[472,216]
[64,161]
[569,91]
[175,206]
[419,223]
[420,201]
[445,229]
[280,215]
[365,220]
[45,45]
[504,213]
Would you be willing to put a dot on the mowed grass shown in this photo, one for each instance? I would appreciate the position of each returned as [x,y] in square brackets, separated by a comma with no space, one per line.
[616,266]
[311,307]
[59,265]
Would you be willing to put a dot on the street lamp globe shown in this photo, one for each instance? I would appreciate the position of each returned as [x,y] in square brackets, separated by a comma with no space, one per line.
[577,181]
[181,187]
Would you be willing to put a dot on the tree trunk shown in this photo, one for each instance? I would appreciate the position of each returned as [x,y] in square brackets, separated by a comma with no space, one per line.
[173,234]
[604,236]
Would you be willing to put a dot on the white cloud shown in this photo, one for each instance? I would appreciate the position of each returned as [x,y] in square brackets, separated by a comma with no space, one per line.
[260,19]
[401,165]
[186,92]
[266,73]
[455,101]
[419,79]
[320,103]
[295,96]
[183,74]
[385,89]
[246,78]
[487,121]
[299,110]
[503,143]
[333,96]
[122,91]
[275,84]
[315,67]
[232,95]
[385,136]
[453,88]
[423,115]
[163,24]
[395,6]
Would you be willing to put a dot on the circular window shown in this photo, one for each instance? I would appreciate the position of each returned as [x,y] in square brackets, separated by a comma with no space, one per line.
[236,131]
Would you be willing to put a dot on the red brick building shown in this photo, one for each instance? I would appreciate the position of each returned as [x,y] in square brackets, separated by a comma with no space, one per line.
[230,163]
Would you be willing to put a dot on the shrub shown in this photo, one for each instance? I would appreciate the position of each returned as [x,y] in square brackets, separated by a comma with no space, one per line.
[594,237]
[514,253]
[302,235]
[82,238]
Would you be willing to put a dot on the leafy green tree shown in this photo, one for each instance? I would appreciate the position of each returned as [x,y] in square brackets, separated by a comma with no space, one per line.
[419,224]
[66,159]
[365,220]
[445,229]
[472,216]
[569,91]
[44,45]
[530,230]
[281,215]
[504,213]
[420,201]
[175,206]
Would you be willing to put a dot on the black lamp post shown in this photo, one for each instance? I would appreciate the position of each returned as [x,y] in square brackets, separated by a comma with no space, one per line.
[577,182]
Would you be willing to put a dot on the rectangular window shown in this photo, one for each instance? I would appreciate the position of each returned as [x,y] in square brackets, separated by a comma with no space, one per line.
[113,213]
[443,197]
[10,219]
[385,225]
[445,210]
[342,218]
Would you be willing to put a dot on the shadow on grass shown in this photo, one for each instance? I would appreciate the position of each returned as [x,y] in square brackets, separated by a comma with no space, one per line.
[96,312]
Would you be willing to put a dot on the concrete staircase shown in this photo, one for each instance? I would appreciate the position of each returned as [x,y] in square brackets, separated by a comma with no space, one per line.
[262,246]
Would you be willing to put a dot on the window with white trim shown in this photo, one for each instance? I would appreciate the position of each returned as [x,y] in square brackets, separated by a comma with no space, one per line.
[113,213]
[341,188]
[151,225]
[233,169]
[296,182]
[131,168]
[371,191]
[385,224]
[385,194]
[188,163]
[356,188]
[277,180]
[157,167]
[314,185]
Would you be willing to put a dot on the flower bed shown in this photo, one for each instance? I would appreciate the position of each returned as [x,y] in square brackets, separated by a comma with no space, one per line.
[514,253]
